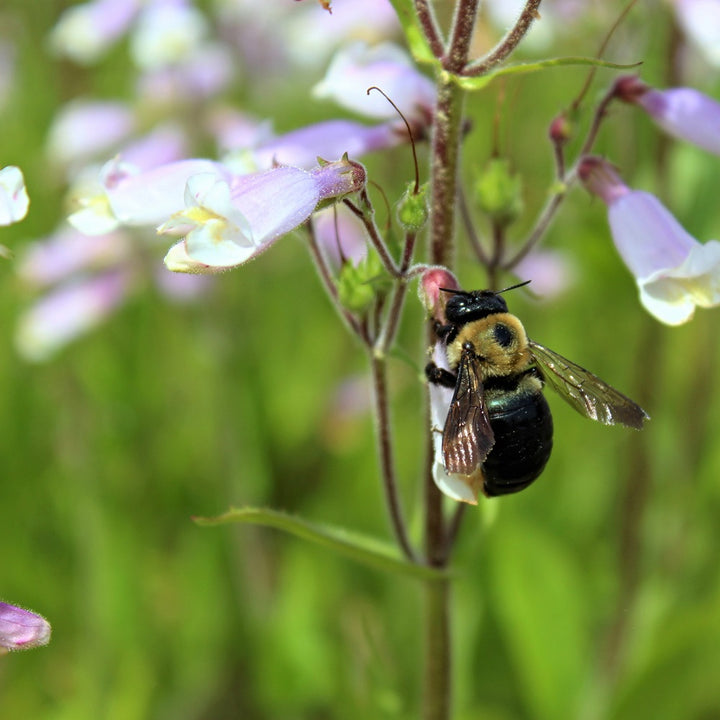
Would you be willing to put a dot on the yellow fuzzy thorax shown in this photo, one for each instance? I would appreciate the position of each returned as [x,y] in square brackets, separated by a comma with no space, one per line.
[495,359]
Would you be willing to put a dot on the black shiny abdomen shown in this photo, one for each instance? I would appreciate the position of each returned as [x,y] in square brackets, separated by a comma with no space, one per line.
[523,428]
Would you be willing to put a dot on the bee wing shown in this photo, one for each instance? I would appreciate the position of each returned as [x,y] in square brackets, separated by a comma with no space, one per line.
[468,436]
[585,392]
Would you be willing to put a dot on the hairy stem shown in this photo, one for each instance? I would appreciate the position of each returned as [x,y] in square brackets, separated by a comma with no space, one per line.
[430,27]
[387,464]
[506,46]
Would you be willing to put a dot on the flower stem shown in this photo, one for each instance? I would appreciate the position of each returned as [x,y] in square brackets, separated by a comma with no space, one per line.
[430,27]
[438,670]
[506,46]
[387,465]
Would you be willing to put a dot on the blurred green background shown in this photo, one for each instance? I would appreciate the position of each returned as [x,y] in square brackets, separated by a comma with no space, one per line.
[594,594]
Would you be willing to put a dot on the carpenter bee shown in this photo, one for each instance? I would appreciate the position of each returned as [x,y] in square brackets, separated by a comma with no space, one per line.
[499,421]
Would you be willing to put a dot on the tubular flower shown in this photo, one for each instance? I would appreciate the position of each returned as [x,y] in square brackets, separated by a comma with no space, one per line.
[463,488]
[358,67]
[21,629]
[225,224]
[14,201]
[683,112]
[674,272]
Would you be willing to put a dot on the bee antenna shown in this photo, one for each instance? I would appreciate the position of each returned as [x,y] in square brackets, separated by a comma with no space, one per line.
[513,287]
[455,292]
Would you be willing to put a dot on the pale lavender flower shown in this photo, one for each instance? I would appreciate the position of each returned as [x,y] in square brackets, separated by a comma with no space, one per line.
[674,272]
[164,144]
[21,629]
[206,72]
[167,32]
[68,312]
[357,67]
[700,19]
[87,128]
[551,272]
[311,33]
[68,252]
[14,200]
[683,112]
[126,196]
[341,234]
[225,224]
[85,32]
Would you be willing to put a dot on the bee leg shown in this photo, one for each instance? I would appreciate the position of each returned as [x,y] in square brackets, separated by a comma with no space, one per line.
[444,332]
[440,376]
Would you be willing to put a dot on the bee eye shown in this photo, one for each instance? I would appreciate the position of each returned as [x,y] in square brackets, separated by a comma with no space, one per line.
[504,336]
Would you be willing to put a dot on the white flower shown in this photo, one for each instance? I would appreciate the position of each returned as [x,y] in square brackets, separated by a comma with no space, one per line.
[14,200]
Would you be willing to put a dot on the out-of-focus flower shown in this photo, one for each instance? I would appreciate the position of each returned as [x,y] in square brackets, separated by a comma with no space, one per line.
[551,272]
[81,281]
[68,252]
[21,629]
[341,235]
[14,200]
[357,67]
[225,224]
[69,311]
[700,20]
[674,272]
[167,32]
[87,128]
[302,147]
[205,73]
[7,71]
[311,33]
[683,112]
[85,32]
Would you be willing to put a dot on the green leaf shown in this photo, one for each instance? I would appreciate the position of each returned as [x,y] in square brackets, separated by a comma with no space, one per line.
[539,597]
[368,550]
[477,83]
[413,32]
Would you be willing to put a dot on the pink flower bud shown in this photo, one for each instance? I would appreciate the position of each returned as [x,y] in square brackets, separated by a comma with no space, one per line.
[21,629]
[432,283]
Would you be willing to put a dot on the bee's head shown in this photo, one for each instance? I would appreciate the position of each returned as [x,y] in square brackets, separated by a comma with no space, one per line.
[464,307]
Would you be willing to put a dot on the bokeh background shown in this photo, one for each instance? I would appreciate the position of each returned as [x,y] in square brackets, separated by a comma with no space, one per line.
[593,594]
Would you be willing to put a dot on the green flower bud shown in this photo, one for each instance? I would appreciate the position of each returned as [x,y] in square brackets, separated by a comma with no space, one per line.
[499,192]
[412,210]
[359,284]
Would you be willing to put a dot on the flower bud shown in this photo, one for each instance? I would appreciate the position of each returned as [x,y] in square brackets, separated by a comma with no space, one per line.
[358,284]
[21,629]
[560,130]
[412,211]
[432,283]
[336,179]
[499,192]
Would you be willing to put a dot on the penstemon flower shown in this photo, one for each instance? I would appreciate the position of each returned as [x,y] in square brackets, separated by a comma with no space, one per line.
[21,629]
[683,112]
[358,67]
[228,222]
[674,272]
[463,488]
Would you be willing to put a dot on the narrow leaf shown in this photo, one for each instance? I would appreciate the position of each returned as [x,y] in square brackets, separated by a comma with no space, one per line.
[368,550]
[481,81]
